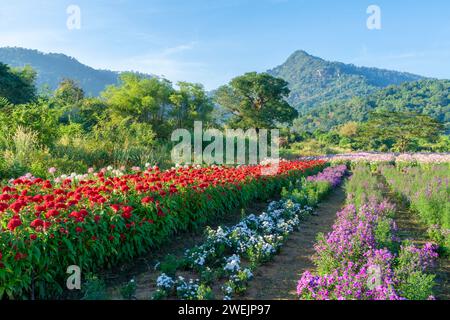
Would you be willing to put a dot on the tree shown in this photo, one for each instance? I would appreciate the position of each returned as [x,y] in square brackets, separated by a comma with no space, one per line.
[256,101]
[144,100]
[190,103]
[69,97]
[400,129]
[69,93]
[17,84]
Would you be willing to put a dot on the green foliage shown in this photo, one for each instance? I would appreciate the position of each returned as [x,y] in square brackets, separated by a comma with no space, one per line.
[54,67]
[128,291]
[17,85]
[94,288]
[399,130]
[427,97]
[256,101]
[362,184]
[170,264]
[413,282]
[426,190]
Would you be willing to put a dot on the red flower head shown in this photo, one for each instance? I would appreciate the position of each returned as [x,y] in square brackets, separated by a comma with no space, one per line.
[37,223]
[147,200]
[14,223]
[115,207]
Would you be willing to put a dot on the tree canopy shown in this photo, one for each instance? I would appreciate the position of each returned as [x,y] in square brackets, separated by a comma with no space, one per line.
[17,84]
[256,100]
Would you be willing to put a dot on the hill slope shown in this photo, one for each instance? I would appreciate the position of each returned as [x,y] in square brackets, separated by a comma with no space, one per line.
[53,67]
[430,97]
[314,81]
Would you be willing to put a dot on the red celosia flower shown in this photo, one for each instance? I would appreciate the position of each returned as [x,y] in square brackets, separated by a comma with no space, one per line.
[147,200]
[115,207]
[14,223]
[126,215]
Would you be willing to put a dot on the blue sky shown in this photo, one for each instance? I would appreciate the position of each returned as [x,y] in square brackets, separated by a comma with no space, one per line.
[211,41]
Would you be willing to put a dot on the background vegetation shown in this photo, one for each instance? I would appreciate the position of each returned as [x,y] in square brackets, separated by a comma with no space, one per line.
[131,120]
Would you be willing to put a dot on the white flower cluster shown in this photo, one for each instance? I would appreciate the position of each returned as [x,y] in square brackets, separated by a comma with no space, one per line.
[257,238]
[233,264]
[187,290]
[165,282]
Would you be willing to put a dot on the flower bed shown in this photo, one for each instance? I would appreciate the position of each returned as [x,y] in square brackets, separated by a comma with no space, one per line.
[427,190]
[230,255]
[359,258]
[100,219]
[378,157]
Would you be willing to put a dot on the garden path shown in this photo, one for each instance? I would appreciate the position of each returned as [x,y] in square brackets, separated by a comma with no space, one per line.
[277,280]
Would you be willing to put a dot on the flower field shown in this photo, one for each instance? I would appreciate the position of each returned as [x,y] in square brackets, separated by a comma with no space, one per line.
[98,220]
[362,258]
[104,219]
[230,255]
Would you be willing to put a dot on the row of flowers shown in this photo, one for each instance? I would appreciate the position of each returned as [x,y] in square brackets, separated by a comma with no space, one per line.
[229,256]
[362,259]
[377,157]
[427,191]
[106,217]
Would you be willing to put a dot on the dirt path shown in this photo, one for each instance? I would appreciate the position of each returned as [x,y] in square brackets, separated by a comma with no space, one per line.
[277,280]
[410,228]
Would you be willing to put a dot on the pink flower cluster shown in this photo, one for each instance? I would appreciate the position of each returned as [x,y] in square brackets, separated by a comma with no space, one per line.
[333,175]
[351,264]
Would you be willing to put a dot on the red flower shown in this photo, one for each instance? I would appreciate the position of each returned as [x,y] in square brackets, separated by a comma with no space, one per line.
[14,223]
[33,236]
[51,213]
[37,223]
[126,215]
[97,218]
[20,256]
[115,207]
[78,229]
[147,200]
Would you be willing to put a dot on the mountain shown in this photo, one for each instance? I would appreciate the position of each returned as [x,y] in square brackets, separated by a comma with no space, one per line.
[313,80]
[53,67]
[430,97]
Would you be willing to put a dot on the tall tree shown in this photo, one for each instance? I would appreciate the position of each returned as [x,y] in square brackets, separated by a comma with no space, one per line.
[190,103]
[141,99]
[256,100]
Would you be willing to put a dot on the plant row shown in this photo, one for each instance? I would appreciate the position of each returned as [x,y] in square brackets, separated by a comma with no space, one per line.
[427,191]
[361,258]
[224,263]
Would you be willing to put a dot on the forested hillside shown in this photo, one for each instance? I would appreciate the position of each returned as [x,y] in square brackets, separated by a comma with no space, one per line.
[428,97]
[313,80]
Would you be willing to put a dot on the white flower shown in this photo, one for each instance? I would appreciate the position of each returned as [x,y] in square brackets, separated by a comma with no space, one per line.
[233,263]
